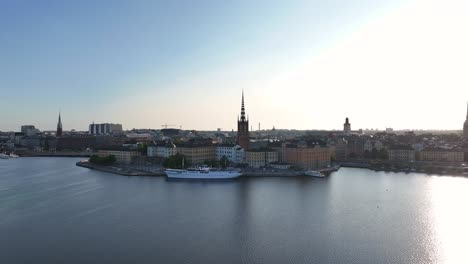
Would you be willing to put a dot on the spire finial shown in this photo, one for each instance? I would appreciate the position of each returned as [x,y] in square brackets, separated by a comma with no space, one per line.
[59,124]
[243,106]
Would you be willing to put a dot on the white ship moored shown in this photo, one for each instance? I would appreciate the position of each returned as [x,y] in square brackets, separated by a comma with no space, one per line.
[202,173]
[4,156]
[314,174]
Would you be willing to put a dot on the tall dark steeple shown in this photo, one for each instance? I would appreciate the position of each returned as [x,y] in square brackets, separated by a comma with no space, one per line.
[59,127]
[243,136]
[243,107]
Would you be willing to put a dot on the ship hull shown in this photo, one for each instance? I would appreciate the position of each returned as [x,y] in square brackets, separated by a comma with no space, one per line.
[187,174]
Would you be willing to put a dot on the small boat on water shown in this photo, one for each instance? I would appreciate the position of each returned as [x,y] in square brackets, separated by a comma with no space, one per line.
[4,156]
[13,156]
[312,173]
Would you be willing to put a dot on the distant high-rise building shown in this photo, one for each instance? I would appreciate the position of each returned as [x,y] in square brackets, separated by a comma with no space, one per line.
[243,137]
[59,127]
[104,129]
[465,126]
[347,127]
[29,130]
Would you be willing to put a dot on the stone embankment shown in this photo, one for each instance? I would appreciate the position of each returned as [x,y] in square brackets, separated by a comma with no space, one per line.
[271,173]
[119,170]
[55,154]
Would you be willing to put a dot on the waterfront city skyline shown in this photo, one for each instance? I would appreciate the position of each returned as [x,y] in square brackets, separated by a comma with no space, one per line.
[302,64]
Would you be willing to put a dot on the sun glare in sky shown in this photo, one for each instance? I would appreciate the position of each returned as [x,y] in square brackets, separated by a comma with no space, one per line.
[405,69]
[401,66]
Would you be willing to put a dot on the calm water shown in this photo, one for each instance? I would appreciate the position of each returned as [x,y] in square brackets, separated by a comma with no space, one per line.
[54,212]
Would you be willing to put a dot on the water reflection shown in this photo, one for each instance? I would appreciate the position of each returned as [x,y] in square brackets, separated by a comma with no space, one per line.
[449,198]
[53,211]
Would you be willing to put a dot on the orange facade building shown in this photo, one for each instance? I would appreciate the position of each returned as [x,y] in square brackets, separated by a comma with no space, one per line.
[306,156]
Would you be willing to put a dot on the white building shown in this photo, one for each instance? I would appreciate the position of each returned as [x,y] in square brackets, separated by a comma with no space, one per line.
[162,151]
[151,151]
[401,153]
[234,153]
[369,145]
[29,130]
[104,129]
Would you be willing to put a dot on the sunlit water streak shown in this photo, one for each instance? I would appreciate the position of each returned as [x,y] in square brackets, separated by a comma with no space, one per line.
[449,197]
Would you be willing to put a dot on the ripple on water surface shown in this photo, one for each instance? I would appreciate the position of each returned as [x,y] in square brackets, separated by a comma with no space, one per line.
[54,212]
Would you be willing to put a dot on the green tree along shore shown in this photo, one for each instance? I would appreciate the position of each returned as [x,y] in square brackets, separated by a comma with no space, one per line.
[224,162]
[213,163]
[109,160]
[176,161]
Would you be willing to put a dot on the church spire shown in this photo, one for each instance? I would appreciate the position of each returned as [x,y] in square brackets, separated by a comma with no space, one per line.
[243,107]
[59,126]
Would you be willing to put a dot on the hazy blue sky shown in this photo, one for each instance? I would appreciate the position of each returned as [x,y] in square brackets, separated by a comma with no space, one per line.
[302,64]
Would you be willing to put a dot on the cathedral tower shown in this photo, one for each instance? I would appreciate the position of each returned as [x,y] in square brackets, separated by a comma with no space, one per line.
[347,127]
[243,137]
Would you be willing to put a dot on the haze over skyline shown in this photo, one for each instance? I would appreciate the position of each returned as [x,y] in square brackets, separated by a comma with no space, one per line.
[302,64]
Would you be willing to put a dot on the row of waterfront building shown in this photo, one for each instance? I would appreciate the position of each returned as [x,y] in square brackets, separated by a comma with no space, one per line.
[300,154]
[408,154]
[304,151]
[405,148]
